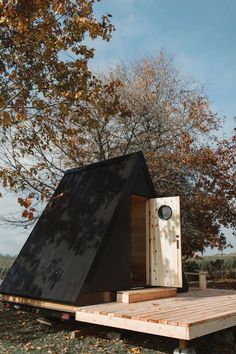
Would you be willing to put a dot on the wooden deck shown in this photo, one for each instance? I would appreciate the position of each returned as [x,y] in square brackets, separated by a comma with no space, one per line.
[187,316]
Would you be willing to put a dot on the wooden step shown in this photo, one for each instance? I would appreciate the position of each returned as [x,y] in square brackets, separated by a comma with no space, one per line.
[138,295]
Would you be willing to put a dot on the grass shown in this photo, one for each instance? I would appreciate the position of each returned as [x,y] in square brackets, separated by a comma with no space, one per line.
[5,264]
[21,333]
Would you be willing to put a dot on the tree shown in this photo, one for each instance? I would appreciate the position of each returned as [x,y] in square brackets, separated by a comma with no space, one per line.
[171,120]
[56,114]
[46,89]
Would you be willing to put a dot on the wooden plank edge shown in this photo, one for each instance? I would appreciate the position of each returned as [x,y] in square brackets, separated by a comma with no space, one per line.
[145,291]
[133,296]
[179,332]
[39,303]
[212,326]
[212,318]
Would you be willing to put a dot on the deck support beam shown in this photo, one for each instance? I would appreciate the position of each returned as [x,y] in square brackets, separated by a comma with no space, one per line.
[183,344]
[184,348]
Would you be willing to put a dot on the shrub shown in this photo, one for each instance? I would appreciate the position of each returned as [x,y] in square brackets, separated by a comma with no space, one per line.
[218,266]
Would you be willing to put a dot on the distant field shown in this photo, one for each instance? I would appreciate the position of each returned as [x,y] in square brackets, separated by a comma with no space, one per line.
[218,266]
[5,264]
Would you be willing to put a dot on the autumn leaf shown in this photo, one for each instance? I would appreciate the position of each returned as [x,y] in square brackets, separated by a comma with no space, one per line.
[20,116]
[27,202]
[5,119]
[21,201]
[135,350]
[31,216]
[25,214]
[3,103]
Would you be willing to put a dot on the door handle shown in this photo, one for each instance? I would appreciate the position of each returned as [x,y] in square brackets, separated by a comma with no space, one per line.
[177,243]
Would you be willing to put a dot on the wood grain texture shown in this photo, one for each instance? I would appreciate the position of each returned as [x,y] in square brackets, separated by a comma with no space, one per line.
[38,303]
[202,278]
[165,244]
[148,280]
[186,316]
[132,296]
[138,240]
[85,299]
[153,242]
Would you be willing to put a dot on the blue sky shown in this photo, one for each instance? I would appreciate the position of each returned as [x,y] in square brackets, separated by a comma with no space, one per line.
[199,34]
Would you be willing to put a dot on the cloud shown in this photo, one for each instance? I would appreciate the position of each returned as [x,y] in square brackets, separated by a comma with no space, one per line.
[11,241]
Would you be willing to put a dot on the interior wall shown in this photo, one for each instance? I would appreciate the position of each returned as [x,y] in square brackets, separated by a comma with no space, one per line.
[138,240]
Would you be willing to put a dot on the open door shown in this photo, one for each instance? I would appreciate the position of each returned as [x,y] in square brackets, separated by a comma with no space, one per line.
[164,257]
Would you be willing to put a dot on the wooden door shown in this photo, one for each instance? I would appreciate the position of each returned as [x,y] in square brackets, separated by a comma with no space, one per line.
[164,258]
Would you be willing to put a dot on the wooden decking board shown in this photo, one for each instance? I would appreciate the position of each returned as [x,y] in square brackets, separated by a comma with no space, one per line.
[190,297]
[183,307]
[179,313]
[174,307]
[231,311]
[175,318]
[192,314]
[203,311]
[168,309]
[121,306]
[187,322]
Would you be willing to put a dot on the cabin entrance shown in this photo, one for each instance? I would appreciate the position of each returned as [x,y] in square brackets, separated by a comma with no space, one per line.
[138,240]
[155,242]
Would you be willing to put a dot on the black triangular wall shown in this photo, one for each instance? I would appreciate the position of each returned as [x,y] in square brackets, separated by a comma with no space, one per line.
[84,229]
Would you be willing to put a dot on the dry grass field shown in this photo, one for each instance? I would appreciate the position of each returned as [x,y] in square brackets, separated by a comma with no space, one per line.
[21,333]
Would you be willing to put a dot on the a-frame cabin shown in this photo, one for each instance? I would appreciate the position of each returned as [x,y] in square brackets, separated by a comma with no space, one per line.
[104,230]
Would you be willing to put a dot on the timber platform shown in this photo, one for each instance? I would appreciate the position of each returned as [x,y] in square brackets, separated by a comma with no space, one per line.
[185,317]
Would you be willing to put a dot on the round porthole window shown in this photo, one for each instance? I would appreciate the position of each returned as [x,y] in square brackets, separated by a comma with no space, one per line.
[165,212]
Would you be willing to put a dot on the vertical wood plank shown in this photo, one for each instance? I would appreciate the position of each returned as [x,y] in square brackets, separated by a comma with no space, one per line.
[165,245]
[202,280]
[153,242]
[138,240]
[148,242]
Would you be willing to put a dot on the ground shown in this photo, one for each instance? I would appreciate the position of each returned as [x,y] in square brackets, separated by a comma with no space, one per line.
[222,284]
[21,333]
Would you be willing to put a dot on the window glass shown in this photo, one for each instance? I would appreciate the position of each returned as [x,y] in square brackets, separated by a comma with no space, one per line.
[165,212]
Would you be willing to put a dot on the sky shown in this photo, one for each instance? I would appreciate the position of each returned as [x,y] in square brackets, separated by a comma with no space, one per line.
[198,34]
